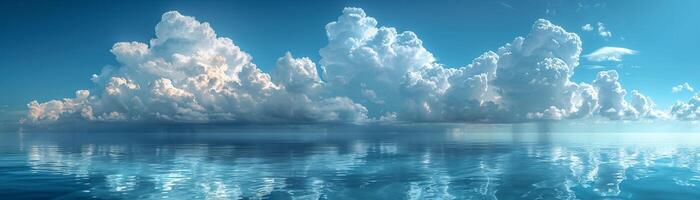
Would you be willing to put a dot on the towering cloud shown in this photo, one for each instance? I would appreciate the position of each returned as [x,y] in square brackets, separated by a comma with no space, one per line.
[189,74]
[612,99]
[526,79]
[367,63]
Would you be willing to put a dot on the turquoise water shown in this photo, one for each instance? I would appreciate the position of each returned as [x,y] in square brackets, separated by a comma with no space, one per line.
[524,161]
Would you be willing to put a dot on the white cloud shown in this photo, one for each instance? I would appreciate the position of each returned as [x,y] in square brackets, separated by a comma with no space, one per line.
[370,72]
[687,110]
[594,67]
[610,54]
[527,79]
[612,101]
[682,87]
[602,31]
[188,74]
[587,27]
[399,70]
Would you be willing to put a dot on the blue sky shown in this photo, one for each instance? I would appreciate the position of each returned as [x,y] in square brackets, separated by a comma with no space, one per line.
[50,49]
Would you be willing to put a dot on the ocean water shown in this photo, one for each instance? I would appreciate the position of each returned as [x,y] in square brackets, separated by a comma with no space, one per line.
[420,161]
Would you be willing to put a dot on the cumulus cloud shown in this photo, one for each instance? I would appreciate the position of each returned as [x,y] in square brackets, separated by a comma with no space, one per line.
[682,87]
[189,74]
[687,110]
[587,27]
[366,62]
[612,101]
[368,73]
[497,86]
[602,31]
[610,54]
[527,79]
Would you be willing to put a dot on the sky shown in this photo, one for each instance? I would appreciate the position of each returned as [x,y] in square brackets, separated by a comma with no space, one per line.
[51,49]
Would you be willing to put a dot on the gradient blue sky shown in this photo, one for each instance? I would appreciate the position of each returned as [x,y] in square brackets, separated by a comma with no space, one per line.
[50,49]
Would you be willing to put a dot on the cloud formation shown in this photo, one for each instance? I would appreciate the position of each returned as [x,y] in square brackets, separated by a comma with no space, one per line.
[587,27]
[682,87]
[614,54]
[189,74]
[369,73]
[600,29]
[687,110]
[603,32]
[612,101]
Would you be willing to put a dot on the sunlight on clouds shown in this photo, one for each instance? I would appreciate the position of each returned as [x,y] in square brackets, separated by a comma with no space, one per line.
[610,54]
[687,110]
[188,74]
[612,99]
[369,73]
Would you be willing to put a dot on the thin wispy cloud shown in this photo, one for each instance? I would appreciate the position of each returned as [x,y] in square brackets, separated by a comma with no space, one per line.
[506,5]
[682,87]
[594,67]
[615,54]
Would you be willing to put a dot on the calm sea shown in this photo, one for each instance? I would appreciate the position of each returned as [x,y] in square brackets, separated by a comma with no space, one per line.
[419,161]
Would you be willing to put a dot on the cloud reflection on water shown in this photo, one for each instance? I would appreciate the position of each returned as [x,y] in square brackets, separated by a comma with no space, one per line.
[456,163]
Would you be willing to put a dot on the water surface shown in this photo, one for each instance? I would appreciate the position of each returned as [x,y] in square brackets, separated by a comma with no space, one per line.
[424,161]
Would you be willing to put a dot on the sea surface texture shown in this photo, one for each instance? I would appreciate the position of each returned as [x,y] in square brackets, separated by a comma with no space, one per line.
[424,161]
